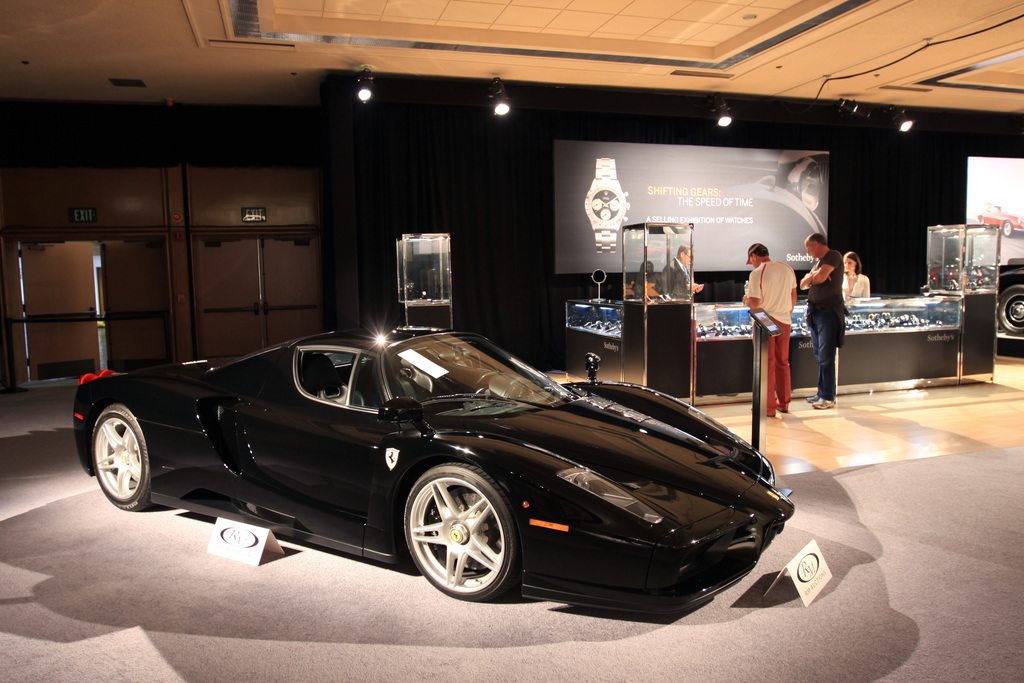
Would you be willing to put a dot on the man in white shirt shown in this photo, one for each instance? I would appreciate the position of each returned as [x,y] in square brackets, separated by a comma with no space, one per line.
[772,286]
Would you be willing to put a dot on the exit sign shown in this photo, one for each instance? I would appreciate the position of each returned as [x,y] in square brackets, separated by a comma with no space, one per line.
[82,215]
[254,214]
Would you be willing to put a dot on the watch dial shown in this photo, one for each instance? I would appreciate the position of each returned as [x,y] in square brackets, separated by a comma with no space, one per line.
[606,204]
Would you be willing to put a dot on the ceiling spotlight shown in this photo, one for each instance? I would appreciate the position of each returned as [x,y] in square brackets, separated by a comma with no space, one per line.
[721,109]
[903,122]
[847,107]
[500,97]
[364,83]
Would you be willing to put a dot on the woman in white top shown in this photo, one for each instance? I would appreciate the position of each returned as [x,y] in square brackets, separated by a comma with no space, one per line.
[856,284]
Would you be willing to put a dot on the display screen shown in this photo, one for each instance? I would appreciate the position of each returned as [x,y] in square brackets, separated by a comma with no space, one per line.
[995,196]
[765,321]
[732,196]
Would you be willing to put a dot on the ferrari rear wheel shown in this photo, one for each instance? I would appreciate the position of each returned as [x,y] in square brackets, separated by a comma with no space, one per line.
[461,534]
[120,459]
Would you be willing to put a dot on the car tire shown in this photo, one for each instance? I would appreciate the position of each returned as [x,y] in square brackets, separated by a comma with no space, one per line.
[120,459]
[1007,229]
[1011,309]
[461,534]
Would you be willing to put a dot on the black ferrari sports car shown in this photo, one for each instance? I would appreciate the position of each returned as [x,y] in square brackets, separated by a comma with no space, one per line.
[442,446]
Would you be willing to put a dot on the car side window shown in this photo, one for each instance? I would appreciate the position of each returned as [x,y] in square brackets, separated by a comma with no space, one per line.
[326,374]
[366,390]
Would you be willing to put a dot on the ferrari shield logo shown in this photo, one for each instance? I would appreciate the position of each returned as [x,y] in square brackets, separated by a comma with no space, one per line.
[391,457]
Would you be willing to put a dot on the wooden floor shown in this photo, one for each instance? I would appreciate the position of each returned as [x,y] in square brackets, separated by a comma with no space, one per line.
[885,426]
[892,425]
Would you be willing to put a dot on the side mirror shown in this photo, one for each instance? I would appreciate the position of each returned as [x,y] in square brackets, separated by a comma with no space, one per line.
[401,409]
[593,364]
[404,409]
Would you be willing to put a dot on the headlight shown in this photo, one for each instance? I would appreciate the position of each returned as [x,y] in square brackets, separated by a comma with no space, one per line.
[768,472]
[610,492]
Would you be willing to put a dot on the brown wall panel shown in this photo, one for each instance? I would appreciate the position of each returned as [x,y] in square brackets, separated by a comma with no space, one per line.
[291,196]
[122,197]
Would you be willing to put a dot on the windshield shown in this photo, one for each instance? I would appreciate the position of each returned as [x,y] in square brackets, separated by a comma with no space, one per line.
[455,365]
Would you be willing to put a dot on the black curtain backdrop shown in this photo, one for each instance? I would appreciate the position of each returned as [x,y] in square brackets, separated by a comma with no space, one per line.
[395,167]
[488,181]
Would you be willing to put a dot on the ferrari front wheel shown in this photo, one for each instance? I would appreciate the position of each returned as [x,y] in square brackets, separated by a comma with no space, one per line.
[120,459]
[1007,229]
[460,532]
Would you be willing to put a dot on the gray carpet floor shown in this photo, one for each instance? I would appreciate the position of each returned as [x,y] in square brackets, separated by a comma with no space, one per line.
[927,557]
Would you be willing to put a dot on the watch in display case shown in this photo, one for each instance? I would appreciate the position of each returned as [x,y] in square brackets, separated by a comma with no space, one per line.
[606,206]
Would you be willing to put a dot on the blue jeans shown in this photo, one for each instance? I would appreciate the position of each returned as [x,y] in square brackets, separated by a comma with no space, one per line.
[824,327]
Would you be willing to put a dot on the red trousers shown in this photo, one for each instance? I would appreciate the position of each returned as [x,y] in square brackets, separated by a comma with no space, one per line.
[779,383]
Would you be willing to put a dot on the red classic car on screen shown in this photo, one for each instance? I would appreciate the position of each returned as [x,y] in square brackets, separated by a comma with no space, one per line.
[1008,222]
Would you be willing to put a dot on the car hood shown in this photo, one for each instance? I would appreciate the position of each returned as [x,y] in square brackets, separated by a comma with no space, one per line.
[629,447]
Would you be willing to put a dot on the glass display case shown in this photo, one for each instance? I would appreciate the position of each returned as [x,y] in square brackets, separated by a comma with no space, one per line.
[893,314]
[657,311]
[657,262]
[722,321]
[875,314]
[595,317]
[425,279]
[962,258]
[891,343]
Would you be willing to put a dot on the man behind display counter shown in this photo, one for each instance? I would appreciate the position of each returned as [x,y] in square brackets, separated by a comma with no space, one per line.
[772,286]
[826,316]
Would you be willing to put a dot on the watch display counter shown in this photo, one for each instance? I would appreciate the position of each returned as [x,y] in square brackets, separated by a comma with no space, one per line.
[594,326]
[425,279]
[890,343]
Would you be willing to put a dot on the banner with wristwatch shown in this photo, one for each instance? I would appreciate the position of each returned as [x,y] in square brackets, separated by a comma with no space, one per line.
[733,196]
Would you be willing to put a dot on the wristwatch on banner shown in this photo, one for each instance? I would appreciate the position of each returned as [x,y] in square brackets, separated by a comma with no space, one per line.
[606,206]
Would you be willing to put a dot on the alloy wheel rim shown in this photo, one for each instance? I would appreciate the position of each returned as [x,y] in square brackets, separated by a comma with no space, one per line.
[456,535]
[118,460]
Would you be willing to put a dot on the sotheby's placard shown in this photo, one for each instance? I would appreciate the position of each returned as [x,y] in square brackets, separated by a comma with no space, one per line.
[242,542]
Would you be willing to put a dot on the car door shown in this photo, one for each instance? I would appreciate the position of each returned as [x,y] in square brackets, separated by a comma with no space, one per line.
[312,453]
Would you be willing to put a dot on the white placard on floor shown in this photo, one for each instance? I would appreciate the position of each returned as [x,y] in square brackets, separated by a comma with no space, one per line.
[809,572]
[242,542]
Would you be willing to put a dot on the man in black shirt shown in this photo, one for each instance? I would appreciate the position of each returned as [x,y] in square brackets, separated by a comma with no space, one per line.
[825,315]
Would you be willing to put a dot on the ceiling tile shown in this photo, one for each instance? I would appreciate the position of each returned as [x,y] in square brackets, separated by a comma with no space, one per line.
[718,33]
[629,26]
[551,4]
[533,17]
[659,9]
[481,12]
[354,8]
[314,7]
[579,21]
[675,31]
[702,10]
[414,9]
[608,6]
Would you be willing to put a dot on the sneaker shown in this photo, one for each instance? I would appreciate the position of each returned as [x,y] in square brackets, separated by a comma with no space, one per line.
[783,409]
[813,399]
[823,404]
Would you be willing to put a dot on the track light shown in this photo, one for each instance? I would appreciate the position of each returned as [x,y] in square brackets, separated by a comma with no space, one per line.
[721,109]
[500,97]
[903,122]
[364,83]
[848,108]
[900,118]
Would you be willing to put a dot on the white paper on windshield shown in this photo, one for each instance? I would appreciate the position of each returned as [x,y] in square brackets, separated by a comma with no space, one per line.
[423,363]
